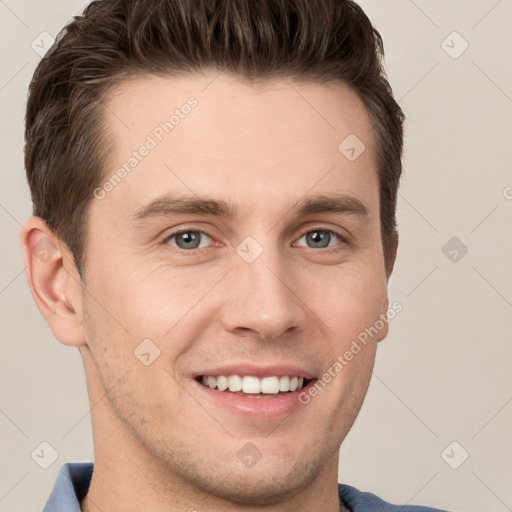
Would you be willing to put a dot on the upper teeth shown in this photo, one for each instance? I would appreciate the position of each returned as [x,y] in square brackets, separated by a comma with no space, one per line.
[254,385]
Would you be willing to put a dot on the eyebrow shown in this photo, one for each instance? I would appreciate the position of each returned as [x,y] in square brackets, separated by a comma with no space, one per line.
[198,205]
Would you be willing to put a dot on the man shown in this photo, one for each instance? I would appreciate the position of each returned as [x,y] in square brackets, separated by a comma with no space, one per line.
[214,186]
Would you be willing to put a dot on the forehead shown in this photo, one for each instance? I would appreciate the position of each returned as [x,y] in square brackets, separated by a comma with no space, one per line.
[215,134]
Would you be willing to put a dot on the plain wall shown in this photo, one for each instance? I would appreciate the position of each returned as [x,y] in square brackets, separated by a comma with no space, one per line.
[442,375]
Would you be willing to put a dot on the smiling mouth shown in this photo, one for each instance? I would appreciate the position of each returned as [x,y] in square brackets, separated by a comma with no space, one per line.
[251,386]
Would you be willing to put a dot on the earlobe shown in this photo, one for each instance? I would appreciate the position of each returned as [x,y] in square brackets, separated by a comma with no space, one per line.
[53,281]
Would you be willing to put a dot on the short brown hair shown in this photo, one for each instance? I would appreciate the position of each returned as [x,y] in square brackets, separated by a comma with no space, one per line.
[316,40]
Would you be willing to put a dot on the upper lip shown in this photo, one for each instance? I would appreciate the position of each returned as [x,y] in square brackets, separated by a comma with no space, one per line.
[246,369]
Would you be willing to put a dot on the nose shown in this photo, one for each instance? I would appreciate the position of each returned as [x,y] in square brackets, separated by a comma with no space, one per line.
[266,299]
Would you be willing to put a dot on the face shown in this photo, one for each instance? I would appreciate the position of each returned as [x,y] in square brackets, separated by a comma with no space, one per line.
[241,242]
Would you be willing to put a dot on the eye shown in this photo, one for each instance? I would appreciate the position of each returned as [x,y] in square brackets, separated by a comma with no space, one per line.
[187,239]
[321,238]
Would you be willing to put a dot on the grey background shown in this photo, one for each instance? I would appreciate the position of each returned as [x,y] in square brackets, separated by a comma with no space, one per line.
[443,374]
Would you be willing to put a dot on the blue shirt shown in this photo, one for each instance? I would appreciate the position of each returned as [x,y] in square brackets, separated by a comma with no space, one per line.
[74,478]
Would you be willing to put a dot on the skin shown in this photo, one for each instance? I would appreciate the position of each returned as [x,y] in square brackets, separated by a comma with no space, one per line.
[157,447]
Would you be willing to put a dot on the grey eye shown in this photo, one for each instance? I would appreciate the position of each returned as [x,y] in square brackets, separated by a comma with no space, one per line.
[187,240]
[320,238]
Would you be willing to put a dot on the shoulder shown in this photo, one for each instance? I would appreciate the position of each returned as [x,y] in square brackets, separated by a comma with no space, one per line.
[359,501]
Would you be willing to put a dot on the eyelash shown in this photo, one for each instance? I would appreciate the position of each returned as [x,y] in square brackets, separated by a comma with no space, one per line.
[309,230]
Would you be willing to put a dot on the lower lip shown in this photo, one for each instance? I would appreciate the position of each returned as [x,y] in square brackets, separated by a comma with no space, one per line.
[271,408]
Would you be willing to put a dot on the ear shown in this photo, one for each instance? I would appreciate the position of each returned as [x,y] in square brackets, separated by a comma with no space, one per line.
[53,281]
[392,254]
[389,269]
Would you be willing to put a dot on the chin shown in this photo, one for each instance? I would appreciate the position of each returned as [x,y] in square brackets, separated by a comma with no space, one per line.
[261,489]
[266,483]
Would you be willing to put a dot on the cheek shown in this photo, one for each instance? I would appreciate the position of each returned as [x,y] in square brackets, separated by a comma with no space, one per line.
[136,367]
[348,302]
[157,313]
[150,303]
